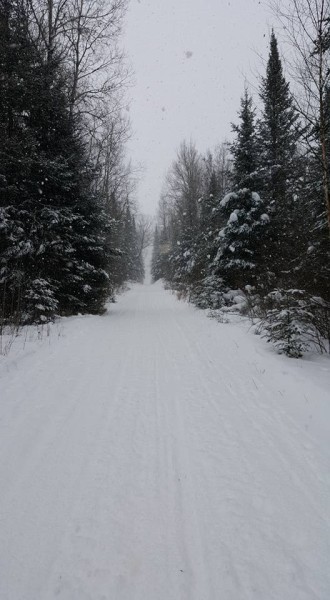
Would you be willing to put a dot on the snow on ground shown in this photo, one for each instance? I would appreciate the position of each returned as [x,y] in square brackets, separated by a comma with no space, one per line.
[154,454]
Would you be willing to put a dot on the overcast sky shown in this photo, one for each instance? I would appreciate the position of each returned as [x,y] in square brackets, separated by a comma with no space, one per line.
[190,58]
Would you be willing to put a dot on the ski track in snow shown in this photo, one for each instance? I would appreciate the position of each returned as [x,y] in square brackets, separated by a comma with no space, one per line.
[152,454]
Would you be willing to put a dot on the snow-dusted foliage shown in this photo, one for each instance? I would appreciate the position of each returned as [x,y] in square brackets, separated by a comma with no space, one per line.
[245,146]
[210,292]
[284,322]
[40,304]
[294,322]
[241,242]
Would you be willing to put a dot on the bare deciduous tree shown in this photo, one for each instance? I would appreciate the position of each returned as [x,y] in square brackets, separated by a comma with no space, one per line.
[85,35]
[96,63]
[218,162]
[144,226]
[307,26]
[184,184]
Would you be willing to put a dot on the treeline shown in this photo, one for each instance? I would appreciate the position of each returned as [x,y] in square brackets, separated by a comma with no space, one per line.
[248,224]
[69,236]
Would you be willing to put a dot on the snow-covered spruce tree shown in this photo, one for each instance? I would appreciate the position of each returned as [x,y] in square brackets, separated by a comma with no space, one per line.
[288,323]
[238,247]
[279,166]
[80,255]
[52,227]
[244,149]
[292,186]
[183,258]
[240,258]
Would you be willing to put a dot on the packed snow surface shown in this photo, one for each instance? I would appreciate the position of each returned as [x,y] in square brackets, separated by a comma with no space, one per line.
[154,454]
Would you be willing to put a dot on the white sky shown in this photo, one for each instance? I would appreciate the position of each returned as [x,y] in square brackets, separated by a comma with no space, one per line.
[190,58]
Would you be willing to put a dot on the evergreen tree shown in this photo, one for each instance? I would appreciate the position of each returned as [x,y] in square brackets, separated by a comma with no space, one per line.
[156,272]
[244,148]
[312,266]
[278,130]
[236,253]
[279,167]
[208,227]
[19,71]
[133,260]
[208,288]
[161,267]
[285,323]
[116,268]
[52,227]
[241,243]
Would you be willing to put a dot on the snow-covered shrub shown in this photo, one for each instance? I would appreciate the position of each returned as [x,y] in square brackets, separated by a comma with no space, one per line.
[289,322]
[40,302]
[219,315]
[235,301]
[250,307]
[209,293]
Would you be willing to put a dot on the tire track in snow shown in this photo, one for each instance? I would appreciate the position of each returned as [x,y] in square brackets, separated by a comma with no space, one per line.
[194,569]
[67,446]
[256,473]
[273,424]
[180,480]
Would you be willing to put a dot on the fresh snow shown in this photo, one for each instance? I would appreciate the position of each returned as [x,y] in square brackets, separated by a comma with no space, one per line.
[233,217]
[227,198]
[154,454]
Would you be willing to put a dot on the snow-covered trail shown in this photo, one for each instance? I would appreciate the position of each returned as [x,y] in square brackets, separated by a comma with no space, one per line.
[152,454]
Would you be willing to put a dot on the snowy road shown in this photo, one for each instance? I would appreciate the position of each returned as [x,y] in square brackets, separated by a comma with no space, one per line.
[153,454]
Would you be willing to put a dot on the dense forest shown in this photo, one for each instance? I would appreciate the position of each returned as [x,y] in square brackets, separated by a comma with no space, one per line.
[247,226]
[70,234]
